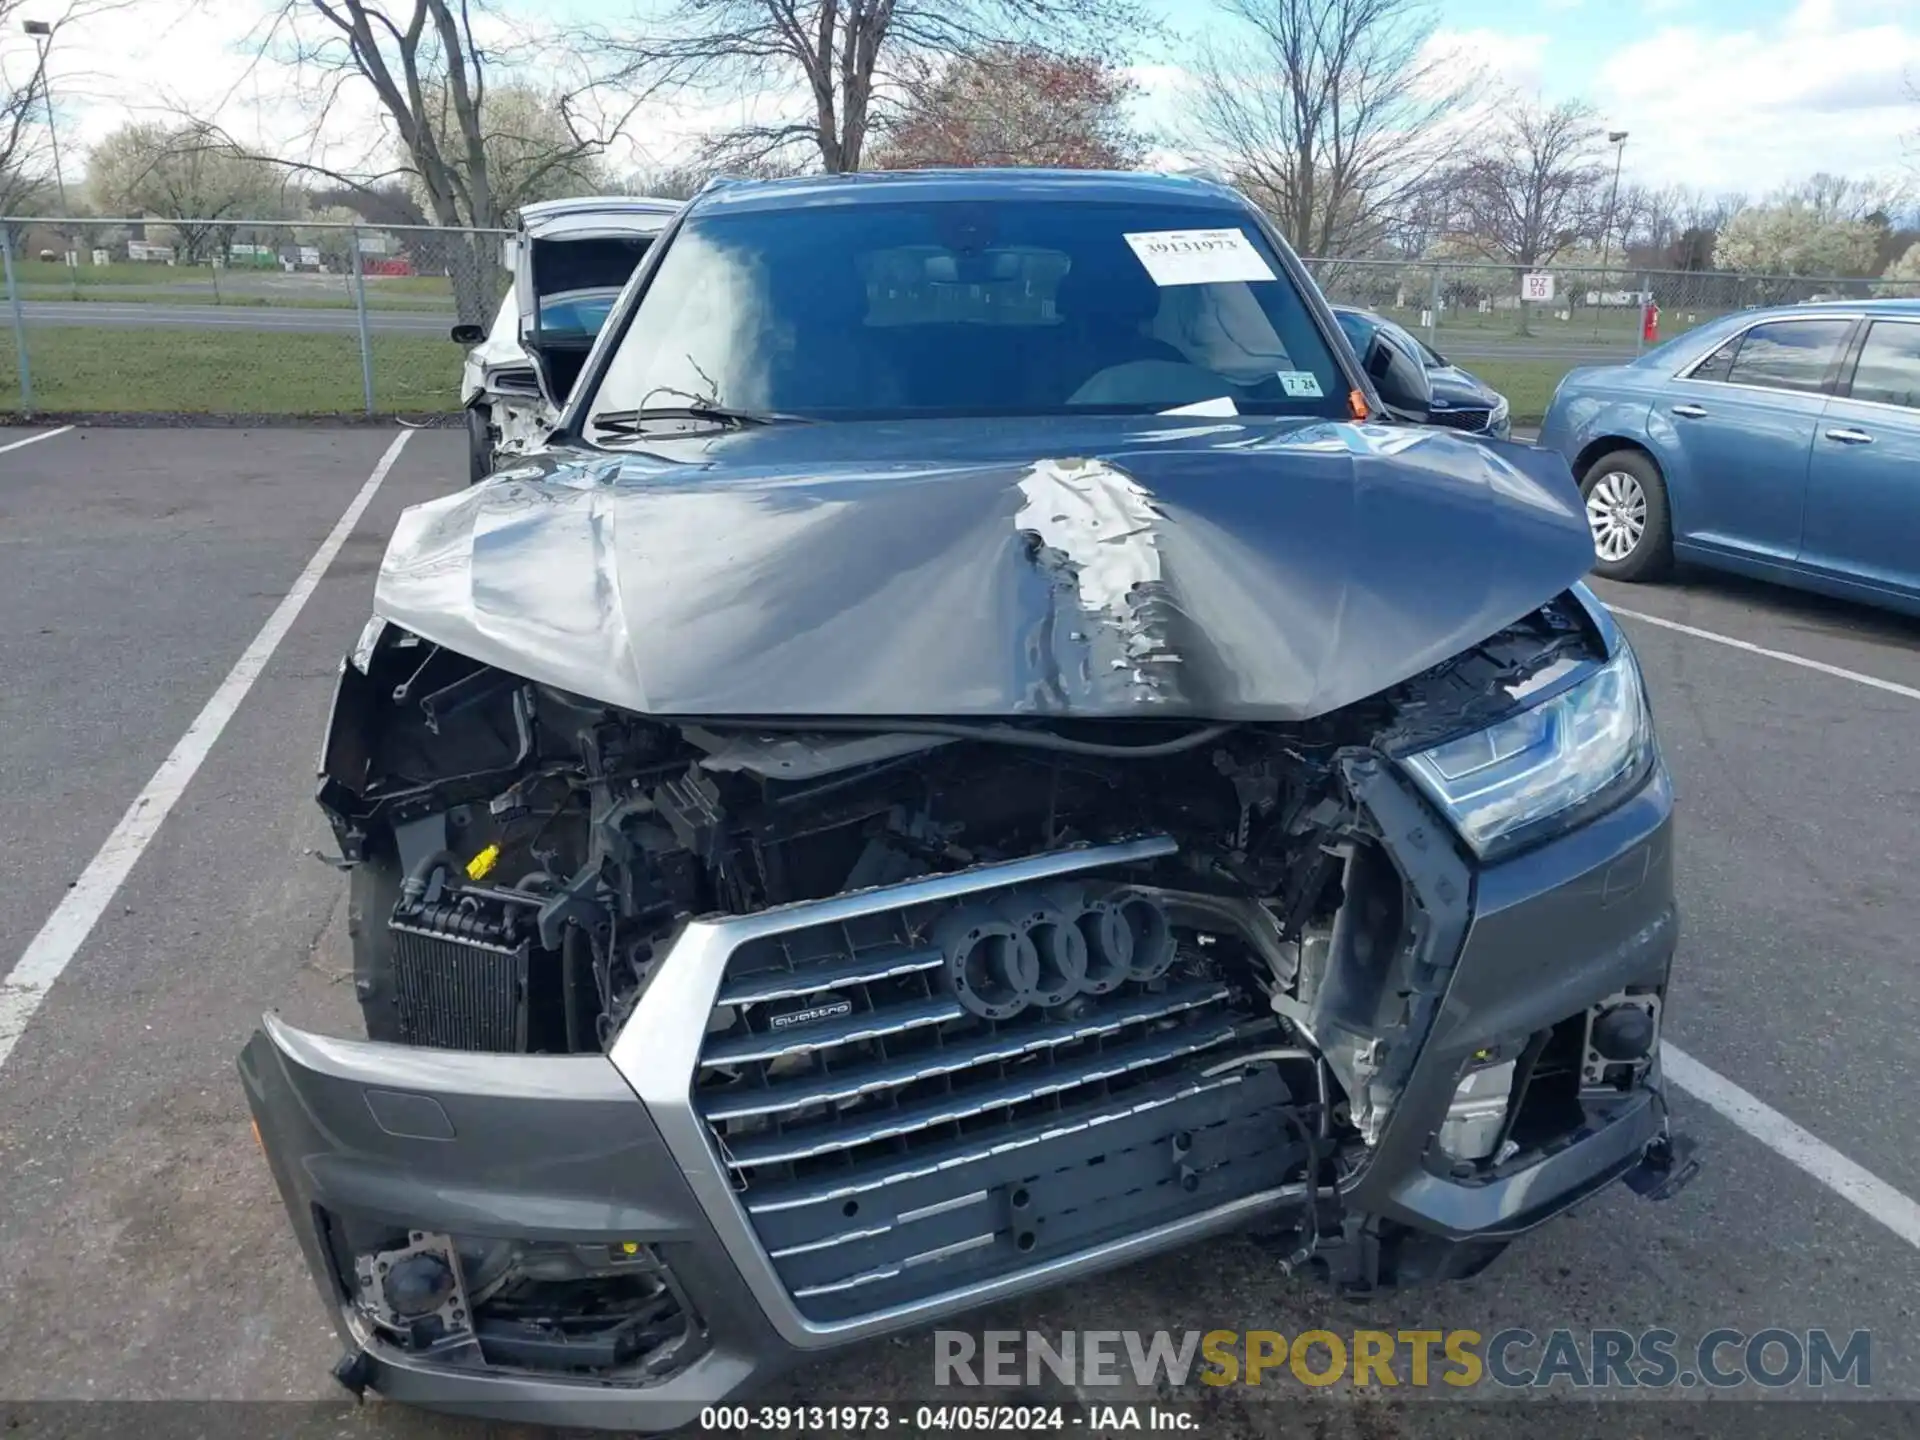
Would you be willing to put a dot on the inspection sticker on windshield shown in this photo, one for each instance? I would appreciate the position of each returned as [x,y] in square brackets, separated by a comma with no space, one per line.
[1300,384]
[1198,257]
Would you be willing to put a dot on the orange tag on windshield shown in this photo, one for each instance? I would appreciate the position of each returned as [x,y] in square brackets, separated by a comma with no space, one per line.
[1357,403]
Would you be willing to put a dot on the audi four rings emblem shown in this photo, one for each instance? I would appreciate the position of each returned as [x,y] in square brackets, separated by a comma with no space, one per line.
[1046,945]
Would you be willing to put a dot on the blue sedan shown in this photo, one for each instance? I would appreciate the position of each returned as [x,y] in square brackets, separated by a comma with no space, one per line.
[1461,401]
[1783,444]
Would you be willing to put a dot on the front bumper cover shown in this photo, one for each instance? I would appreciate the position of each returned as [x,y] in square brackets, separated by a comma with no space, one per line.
[607,1150]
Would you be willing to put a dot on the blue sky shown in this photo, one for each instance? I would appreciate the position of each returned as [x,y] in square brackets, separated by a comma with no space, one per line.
[1719,94]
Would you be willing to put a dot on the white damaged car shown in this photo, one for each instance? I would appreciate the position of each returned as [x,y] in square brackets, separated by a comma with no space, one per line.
[570,259]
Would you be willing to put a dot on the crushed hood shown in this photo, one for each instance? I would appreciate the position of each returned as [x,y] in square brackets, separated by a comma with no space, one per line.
[1238,570]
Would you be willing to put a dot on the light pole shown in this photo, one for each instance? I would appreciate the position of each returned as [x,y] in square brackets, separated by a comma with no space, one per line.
[42,34]
[1617,139]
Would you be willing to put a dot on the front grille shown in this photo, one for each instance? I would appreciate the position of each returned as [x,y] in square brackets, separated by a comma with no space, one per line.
[459,992]
[889,1143]
[1475,419]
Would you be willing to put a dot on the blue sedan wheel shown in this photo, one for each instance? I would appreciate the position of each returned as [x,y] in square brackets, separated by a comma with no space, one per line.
[1627,512]
[1617,511]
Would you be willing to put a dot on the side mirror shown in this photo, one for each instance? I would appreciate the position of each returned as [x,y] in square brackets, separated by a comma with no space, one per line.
[468,334]
[1399,376]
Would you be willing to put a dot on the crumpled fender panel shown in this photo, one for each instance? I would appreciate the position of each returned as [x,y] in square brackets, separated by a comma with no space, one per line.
[1232,571]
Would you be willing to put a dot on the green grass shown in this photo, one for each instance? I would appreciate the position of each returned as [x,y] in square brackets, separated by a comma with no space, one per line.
[1527,384]
[227,300]
[133,283]
[213,372]
[135,272]
[236,372]
[119,272]
[1586,327]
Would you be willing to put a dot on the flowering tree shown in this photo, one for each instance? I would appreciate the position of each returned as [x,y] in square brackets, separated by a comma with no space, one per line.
[1014,105]
[1795,239]
[187,175]
[1903,275]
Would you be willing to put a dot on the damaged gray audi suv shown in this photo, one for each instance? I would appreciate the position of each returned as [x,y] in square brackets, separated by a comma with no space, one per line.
[988,745]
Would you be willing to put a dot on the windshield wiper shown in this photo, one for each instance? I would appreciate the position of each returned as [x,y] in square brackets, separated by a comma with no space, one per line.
[623,424]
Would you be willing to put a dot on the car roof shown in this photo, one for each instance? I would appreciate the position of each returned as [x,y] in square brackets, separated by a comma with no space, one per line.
[585,214]
[1895,306]
[884,187]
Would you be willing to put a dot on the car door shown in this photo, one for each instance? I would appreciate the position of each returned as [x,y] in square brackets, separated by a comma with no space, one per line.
[1863,489]
[1740,426]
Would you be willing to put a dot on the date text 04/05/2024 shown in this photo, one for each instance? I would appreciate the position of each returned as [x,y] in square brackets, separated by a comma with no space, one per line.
[988,1419]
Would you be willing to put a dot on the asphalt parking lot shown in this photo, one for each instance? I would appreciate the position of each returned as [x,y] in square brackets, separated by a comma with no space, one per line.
[143,1251]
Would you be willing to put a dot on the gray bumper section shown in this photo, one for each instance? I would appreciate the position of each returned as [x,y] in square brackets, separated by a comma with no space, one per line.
[555,1148]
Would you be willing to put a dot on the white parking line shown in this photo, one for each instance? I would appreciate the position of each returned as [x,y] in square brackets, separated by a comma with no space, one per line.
[1839,672]
[1867,1191]
[50,951]
[35,439]
[1859,1186]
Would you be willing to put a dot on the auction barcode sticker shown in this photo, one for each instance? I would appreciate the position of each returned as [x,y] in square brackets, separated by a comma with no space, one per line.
[1198,257]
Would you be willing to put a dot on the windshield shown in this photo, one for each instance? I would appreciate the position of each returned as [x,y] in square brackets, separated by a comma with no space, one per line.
[576,315]
[954,308]
[577,282]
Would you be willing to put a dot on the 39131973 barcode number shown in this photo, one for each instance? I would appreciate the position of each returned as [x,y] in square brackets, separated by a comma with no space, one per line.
[795,1419]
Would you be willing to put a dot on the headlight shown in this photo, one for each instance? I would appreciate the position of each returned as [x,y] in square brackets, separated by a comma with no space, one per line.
[1538,769]
[1498,417]
[368,642]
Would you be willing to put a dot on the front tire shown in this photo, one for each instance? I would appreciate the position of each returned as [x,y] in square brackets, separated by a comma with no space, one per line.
[480,459]
[1629,517]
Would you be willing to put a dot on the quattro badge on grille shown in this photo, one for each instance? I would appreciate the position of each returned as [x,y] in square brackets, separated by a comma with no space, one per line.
[825,1007]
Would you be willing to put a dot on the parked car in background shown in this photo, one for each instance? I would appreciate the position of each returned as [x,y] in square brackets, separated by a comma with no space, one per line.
[876,818]
[570,258]
[1780,443]
[1460,401]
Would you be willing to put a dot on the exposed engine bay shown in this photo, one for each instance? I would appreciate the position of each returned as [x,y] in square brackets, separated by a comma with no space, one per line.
[570,839]
[1224,1002]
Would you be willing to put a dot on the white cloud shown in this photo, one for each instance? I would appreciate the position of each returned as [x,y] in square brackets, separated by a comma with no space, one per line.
[1507,58]
[1824,89]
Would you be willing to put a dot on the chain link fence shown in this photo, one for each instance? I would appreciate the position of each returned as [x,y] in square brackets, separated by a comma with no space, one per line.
[1481,316]
[238,317]
[1481,308]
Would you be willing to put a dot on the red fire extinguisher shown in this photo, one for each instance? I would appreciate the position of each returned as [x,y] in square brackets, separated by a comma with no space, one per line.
[1650,322]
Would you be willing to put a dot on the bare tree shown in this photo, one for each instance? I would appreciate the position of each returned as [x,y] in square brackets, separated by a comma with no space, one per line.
[23,138]
[671,182]
[1702,216]
[1334,114]
[1841,198]
[683,182]
[27,153]
[1646,220]
[388,203]
[433,78]
[845,62]
[1537,189]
